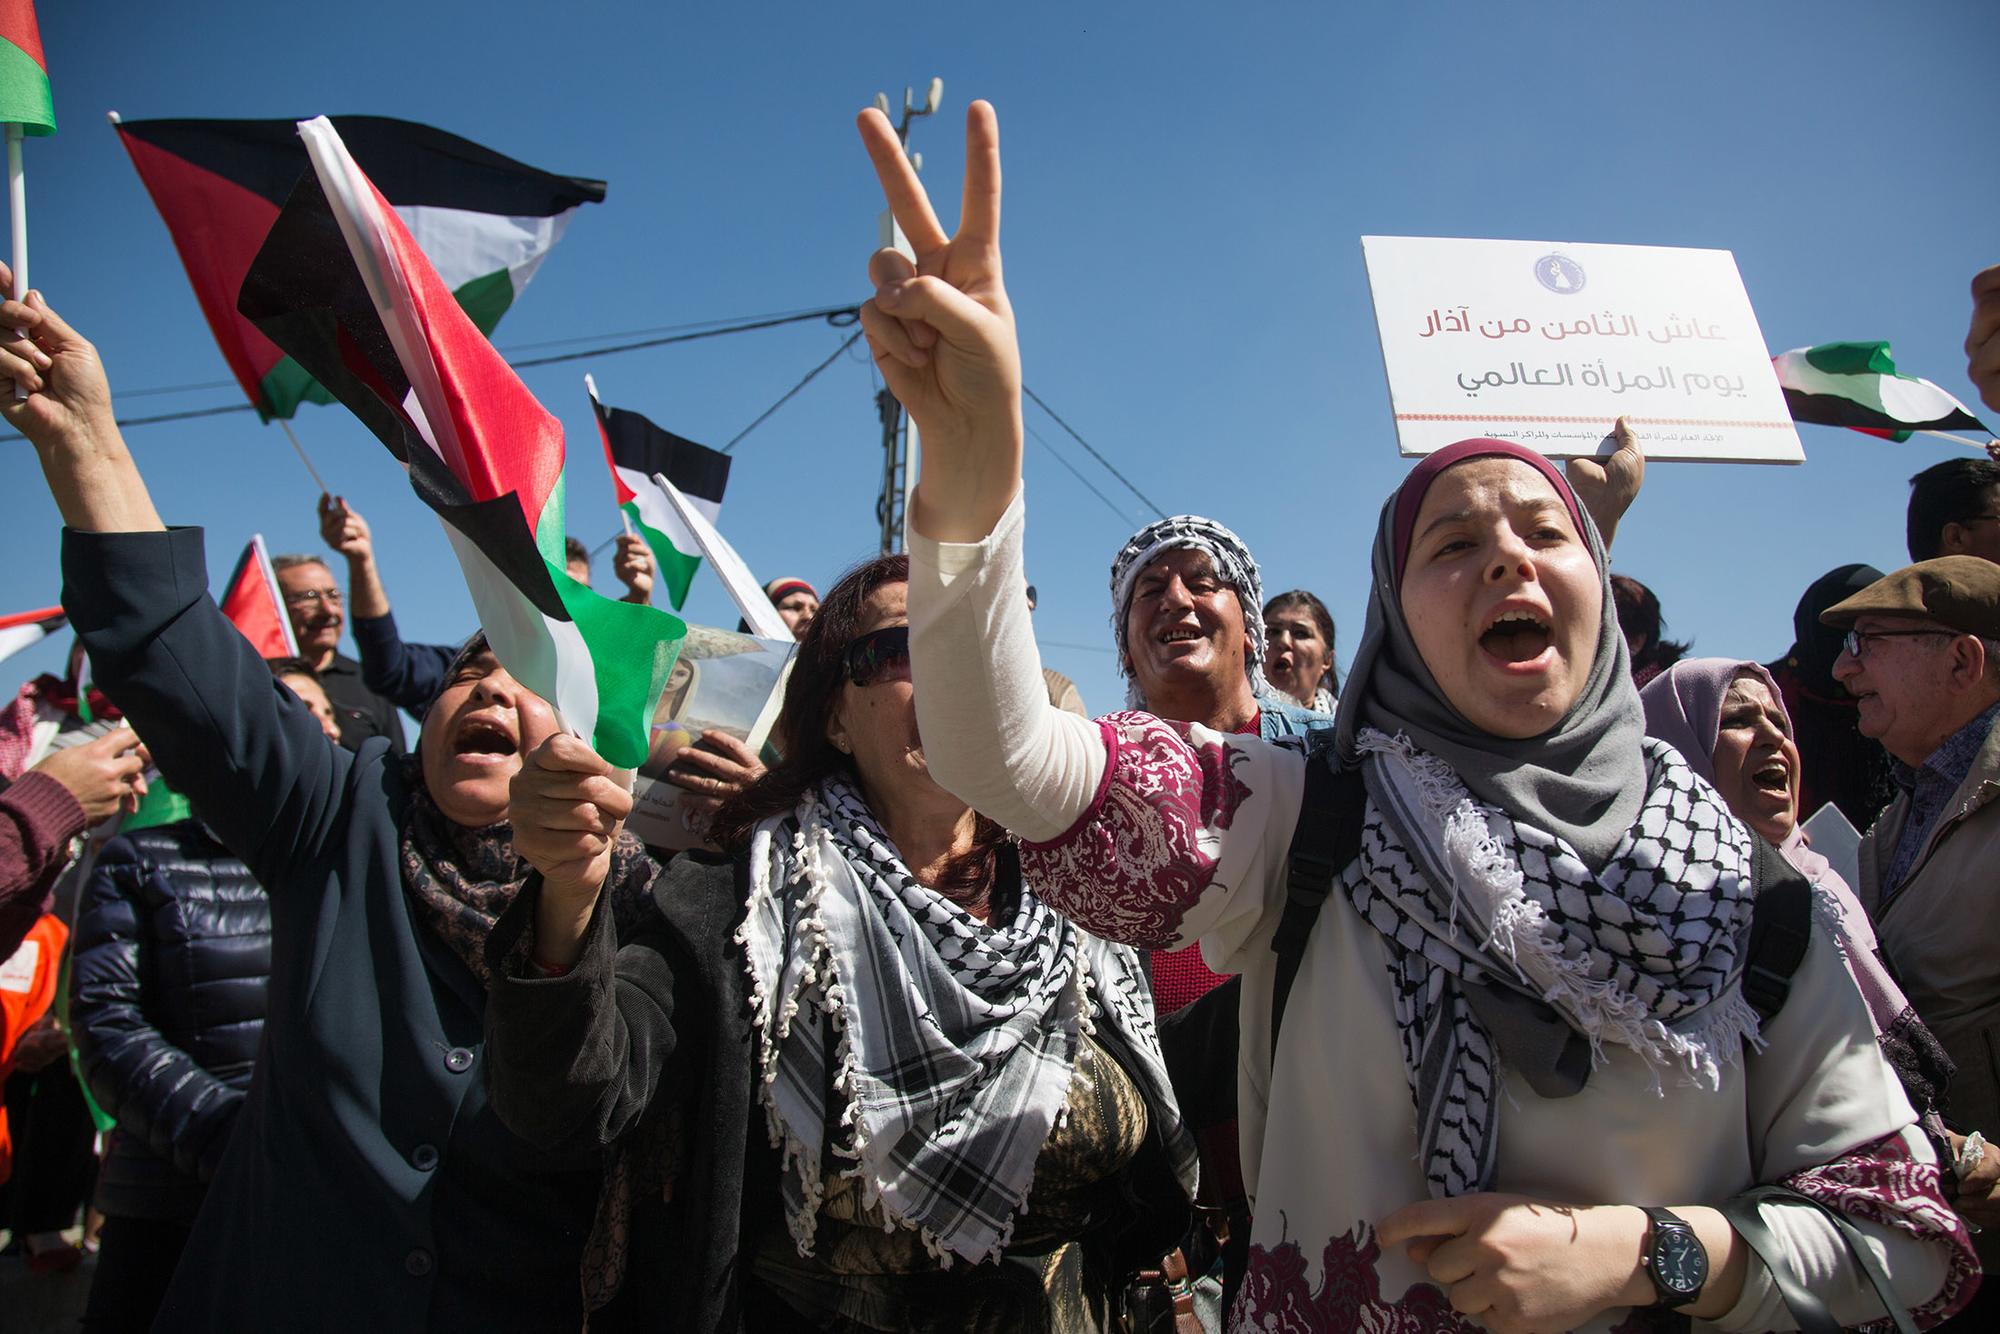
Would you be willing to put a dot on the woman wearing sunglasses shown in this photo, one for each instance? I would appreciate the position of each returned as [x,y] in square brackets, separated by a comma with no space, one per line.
[860,1076]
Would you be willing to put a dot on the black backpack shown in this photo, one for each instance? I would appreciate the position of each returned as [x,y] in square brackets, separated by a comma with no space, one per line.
[1328,837]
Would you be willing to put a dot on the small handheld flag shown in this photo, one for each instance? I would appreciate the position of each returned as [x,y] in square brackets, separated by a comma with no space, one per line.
[636,449]
[1857,385]
[341,285]
[254,603]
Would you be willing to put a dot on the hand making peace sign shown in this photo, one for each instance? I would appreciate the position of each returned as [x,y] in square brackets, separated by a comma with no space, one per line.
[943,334]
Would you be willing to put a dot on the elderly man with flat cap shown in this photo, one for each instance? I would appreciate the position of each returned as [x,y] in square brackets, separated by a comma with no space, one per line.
[1922,659]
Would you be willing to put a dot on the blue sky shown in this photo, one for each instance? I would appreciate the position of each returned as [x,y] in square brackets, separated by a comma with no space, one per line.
[1185,190]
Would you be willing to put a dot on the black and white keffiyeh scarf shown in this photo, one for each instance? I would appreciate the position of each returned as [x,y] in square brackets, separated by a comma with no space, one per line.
[1479,911]
[949,1044]
[1233,564]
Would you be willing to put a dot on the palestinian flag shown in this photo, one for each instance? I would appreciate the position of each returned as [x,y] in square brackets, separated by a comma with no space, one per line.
[637,450]
[255,605]
[342,286]
[25,629]
[485,222]
[1857,385]
[24,73]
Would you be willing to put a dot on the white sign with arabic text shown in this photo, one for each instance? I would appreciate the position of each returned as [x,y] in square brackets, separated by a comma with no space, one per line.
[1549,343]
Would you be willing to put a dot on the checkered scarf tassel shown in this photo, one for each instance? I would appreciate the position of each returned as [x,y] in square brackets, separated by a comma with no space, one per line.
[1463,895]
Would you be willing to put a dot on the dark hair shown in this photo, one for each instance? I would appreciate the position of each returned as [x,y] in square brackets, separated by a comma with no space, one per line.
[818,672]
[292,667]
[574,550]
[1948,492]
[1298,597]
[1639,614]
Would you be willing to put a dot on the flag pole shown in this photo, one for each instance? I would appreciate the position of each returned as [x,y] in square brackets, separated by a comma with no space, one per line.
[17,207]
[317,481]
[1958,439]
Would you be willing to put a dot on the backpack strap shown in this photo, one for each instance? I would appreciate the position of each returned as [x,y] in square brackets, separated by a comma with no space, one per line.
[1780,929]
[1807,1307]
[1326,839]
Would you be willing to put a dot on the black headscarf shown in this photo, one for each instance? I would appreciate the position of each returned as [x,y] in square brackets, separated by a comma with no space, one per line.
[1815,646]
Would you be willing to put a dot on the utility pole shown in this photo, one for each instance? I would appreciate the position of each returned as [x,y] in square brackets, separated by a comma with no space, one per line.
[898,434]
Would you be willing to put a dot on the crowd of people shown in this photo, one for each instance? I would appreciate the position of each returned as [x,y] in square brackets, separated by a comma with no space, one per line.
[1498,982]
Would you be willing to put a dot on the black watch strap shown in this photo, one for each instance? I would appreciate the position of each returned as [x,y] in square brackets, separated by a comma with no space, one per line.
[1665,1220]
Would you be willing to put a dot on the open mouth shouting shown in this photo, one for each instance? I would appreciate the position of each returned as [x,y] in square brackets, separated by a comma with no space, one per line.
[1773,778]
[486,737]
[1519,636]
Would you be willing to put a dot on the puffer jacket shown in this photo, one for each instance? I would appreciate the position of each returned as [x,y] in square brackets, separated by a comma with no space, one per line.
[173,946]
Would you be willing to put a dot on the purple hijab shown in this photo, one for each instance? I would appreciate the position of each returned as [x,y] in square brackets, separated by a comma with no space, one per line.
[1684,709]
[1684,706]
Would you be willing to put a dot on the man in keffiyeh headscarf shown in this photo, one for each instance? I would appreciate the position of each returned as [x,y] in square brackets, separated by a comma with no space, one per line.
[1194,582]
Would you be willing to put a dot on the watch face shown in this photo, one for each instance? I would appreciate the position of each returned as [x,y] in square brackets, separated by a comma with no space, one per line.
[1679,1260]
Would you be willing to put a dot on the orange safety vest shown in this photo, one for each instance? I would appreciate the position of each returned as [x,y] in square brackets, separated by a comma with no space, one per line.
[27,989]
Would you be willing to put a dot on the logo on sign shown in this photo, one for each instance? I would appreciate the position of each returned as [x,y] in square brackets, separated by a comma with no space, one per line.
[1559,273]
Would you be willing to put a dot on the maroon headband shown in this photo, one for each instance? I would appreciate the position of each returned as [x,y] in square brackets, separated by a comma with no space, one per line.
[783,588]
[1410,496]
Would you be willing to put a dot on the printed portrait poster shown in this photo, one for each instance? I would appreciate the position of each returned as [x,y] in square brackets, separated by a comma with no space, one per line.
[722,681]
[1549,343]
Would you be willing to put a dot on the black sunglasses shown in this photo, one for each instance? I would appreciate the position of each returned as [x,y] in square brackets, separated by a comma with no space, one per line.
[880,655]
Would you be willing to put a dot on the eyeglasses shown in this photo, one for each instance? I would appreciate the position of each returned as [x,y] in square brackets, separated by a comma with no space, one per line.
[1856,641]
[881,655]
[313,597]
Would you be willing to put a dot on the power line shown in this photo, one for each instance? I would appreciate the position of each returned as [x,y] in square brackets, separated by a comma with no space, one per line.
[1123,517]
[1093,453]
[1080,648]
[786,396]
[513,348]
[176,388]
[837,316]
[186,416]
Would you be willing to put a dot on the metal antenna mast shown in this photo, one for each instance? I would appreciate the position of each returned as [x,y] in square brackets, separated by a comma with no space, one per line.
[897,432]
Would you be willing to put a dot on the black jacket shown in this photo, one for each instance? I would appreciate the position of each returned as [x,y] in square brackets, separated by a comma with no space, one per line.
[408,675]
[172,947]
[580,1060]
[577,1061]
[368,1184]
[360,712]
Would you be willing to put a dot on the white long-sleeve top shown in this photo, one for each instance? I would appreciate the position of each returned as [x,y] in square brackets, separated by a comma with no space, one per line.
[1159,834]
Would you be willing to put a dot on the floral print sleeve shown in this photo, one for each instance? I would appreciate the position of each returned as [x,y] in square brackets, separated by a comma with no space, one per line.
[1175,845]
[1890,1185]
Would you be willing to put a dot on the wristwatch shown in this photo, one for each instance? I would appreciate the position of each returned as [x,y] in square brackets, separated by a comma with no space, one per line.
[1675,1259]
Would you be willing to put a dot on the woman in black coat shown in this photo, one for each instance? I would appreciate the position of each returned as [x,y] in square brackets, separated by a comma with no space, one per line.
[172,950]
[368,1184]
